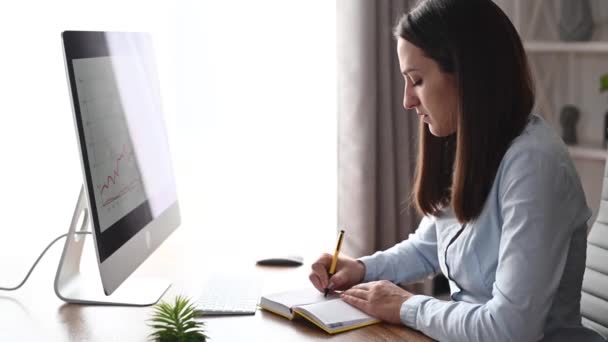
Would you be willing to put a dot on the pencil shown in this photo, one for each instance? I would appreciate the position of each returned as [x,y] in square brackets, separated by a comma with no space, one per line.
[334,259]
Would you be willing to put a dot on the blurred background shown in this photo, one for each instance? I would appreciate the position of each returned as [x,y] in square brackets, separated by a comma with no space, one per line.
[249,99]
[253,95]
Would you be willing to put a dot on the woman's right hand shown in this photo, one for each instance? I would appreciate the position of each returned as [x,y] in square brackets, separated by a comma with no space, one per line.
[349,272]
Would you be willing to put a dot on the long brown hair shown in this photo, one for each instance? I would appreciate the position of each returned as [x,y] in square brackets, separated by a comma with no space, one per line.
[476,42]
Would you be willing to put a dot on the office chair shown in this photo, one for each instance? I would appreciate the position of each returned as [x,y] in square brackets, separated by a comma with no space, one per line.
[594,301]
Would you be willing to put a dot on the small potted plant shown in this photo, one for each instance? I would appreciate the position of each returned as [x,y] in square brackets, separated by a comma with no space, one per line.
[175,322]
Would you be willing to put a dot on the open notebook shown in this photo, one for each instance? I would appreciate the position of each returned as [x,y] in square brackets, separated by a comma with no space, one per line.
[330,314]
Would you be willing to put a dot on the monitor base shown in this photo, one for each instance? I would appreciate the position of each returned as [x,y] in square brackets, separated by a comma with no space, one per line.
[73,286]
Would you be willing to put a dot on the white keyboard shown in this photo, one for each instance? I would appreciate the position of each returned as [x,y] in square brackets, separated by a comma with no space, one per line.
[229,295]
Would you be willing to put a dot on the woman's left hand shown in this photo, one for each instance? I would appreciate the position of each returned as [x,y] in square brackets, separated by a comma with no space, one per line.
[381,299]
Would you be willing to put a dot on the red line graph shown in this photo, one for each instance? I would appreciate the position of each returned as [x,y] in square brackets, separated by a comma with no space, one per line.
[124,156]
[123,191]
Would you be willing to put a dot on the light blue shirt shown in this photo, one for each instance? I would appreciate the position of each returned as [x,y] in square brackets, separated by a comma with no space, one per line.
[515,272]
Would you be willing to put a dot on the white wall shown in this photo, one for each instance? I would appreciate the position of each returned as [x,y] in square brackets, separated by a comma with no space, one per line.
[258,120]
[40,169]
[249,103]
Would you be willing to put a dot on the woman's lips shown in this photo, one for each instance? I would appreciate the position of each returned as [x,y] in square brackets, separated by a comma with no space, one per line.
[424,117]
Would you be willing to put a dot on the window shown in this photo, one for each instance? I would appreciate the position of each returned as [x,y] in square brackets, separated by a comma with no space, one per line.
[249,96]
[41,173]
[257,112]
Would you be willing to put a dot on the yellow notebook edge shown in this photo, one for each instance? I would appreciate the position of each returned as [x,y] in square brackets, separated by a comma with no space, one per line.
[276,312]
[331,332]
[310,319]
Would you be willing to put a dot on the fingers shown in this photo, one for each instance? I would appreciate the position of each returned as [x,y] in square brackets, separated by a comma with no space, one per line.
[355,301]
[363,286]
[318,275]
[341,279]
[337,280]
[357,293]
[380,299]
[325,259]
[360,296]
[316,281]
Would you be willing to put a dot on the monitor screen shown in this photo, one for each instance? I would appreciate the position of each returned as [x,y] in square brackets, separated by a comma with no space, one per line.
[121,134]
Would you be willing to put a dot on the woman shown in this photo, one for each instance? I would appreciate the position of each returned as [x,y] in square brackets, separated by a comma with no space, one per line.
[504,211]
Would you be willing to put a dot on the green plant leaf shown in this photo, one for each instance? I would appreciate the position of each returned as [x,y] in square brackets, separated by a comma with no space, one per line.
[604,83]
[175,322]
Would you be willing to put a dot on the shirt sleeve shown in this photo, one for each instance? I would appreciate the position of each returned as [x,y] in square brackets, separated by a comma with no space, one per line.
[541,206]
[407,261]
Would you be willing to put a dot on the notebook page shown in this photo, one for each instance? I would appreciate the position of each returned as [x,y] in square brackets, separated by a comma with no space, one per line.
[337,313]
[299,297]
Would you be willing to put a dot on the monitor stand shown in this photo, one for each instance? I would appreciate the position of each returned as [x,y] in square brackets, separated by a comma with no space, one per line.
[73,286]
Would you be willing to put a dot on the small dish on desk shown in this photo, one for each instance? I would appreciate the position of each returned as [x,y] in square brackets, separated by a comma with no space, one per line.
[283,260]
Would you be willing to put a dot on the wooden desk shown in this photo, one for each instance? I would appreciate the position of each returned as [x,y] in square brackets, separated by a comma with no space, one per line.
[34,313]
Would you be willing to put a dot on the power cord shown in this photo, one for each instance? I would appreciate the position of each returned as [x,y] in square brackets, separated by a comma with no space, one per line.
[37,260]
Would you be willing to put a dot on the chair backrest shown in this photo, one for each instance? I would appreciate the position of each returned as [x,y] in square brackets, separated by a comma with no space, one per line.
[594,301]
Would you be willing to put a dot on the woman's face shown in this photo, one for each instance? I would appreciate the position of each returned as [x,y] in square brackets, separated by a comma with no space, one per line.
[428,90]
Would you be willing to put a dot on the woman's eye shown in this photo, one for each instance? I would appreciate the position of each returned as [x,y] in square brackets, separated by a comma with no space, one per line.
[413,82]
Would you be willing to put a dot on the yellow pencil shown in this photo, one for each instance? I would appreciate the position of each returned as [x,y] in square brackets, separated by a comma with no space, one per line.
[334,259]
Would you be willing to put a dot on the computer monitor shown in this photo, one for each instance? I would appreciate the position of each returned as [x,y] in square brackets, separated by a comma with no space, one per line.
[129,189]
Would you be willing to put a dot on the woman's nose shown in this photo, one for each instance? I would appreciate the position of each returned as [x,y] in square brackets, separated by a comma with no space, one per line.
[410,101]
